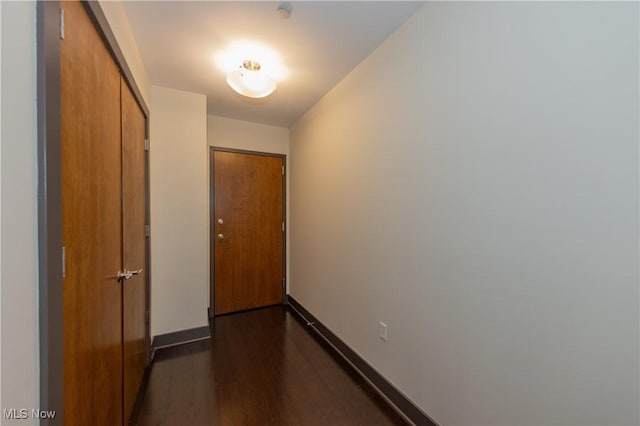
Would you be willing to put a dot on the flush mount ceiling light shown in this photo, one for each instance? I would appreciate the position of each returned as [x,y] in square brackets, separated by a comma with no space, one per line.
[249,80]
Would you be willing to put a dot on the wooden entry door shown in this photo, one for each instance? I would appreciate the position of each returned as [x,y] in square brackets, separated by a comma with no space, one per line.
[247,230]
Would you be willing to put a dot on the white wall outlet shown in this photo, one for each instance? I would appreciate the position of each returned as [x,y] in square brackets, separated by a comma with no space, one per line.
[383,332]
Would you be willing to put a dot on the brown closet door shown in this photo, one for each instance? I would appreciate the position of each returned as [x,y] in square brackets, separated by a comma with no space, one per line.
[134,246]
[92,224]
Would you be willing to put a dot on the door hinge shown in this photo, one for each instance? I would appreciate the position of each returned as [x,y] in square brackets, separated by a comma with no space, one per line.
[282,226]
[61,24]
[147,315]
[147,231]
[147,145]
[282,170]
[64,262]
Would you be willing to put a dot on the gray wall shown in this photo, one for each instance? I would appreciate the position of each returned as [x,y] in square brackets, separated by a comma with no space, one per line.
[474,184]
[19,257]
[179,210]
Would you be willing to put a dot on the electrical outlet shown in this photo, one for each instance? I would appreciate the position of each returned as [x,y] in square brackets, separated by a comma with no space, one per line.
[383,332]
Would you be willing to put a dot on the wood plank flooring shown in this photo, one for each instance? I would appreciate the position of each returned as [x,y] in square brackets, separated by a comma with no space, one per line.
[262,367]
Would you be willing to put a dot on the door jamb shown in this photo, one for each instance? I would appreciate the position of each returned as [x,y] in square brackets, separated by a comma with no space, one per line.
[49,209]
[212,205]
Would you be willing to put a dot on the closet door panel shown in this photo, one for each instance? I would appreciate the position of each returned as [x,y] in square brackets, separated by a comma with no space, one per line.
[92,224]
[134,246]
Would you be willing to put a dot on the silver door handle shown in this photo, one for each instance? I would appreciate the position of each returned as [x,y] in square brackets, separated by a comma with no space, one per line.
[221,237]
[124,275]
[127,274]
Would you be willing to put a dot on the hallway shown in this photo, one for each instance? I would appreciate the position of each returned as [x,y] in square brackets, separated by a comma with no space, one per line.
[261,367]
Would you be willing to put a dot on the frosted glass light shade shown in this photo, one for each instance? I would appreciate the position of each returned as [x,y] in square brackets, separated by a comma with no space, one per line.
[249,80]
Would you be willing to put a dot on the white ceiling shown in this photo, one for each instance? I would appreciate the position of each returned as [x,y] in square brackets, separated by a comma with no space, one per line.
[319,45]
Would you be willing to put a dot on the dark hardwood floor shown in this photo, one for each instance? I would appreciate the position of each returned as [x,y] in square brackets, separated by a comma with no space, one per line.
[262,367]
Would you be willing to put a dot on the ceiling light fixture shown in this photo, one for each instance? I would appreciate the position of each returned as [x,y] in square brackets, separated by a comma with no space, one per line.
[249,80]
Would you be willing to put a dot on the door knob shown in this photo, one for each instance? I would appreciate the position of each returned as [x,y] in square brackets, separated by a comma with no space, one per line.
[221,237]
[220,221]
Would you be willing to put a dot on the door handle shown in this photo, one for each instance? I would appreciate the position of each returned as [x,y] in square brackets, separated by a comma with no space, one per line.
[127,274]
[124,275]
[221,237]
